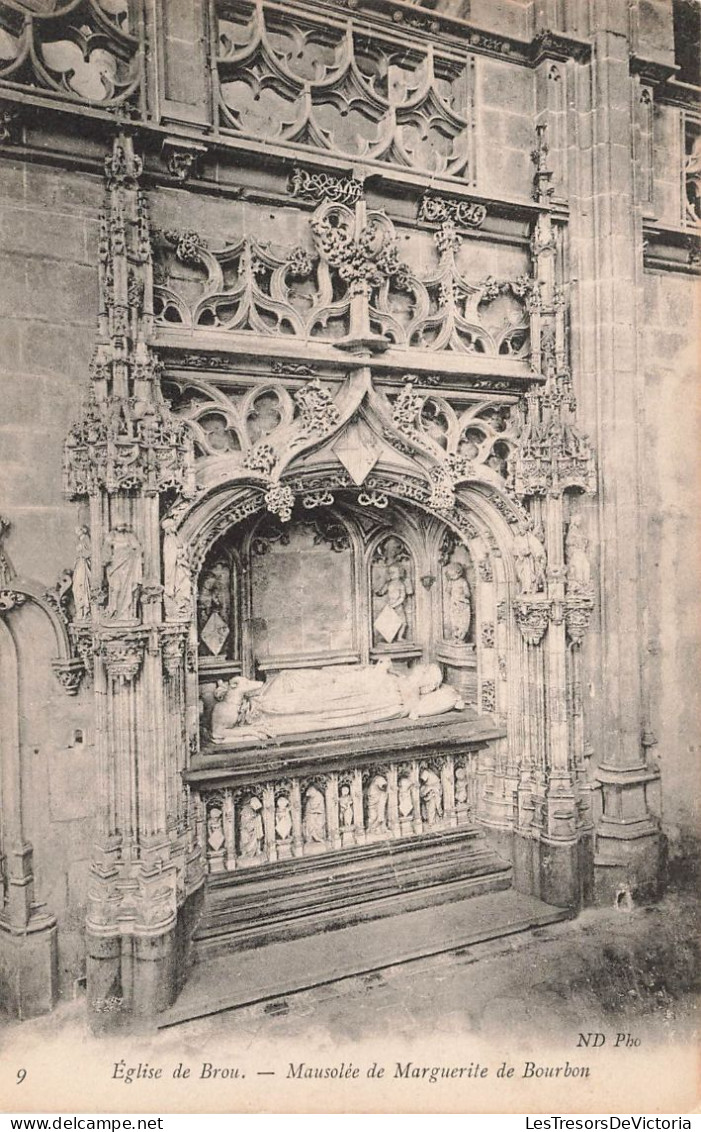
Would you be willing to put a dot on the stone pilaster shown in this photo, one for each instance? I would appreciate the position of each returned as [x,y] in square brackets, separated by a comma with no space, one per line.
[123,454]
[606,225]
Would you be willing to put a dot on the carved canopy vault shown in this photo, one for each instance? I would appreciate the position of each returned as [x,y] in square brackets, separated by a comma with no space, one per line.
[363,400]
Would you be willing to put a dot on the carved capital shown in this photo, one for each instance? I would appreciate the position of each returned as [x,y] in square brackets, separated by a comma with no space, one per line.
[10,599]
[532,617]
[578,611]
[69,674]
[123,656]
[173,653]
[83,648]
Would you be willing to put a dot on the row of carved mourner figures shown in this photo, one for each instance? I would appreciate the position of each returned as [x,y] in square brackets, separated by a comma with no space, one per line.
[269,823]
[123,575]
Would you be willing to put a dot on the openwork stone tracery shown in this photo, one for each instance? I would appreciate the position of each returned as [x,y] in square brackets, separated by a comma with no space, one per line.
[430,510]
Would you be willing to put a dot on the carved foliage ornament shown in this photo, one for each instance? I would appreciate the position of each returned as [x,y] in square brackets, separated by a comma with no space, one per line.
[317,411]
[462,213]
[123,656]
[324,186]
[532,618]
[363,259]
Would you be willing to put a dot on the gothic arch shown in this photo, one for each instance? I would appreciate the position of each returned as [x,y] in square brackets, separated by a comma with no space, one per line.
[29,985]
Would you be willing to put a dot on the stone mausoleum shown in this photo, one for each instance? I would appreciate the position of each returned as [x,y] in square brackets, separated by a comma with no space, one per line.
[349,442]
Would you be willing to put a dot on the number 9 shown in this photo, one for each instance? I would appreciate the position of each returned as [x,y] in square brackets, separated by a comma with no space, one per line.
[22,1073]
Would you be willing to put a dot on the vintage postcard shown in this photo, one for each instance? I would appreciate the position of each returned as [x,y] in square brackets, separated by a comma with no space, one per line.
[349,601]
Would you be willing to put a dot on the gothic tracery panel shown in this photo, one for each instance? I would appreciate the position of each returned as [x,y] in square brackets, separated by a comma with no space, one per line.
[327,85]
[250,286]
[86,50]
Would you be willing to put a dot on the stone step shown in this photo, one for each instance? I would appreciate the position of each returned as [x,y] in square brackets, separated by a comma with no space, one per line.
[242,978]
[311,894]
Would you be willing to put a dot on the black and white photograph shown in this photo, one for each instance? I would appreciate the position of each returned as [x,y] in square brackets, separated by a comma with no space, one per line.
[350,751]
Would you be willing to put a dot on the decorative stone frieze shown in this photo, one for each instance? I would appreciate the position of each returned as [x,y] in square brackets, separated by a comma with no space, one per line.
[317,186]
[464,214]
[359,294]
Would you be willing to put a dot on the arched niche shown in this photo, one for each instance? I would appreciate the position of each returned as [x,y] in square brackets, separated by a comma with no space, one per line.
[28,933]
[477,533]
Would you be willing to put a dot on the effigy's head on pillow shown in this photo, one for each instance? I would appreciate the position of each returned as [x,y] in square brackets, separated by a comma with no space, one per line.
[425,678]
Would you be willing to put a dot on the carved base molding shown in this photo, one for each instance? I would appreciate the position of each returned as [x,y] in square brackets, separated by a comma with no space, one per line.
[140,973]
[29,965]
[557,872]
[306,896]
[628,844]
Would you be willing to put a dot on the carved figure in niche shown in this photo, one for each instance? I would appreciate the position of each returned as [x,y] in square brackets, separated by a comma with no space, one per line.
[82,572]
[215,829]
[578,568]
[391,623]
[405,799]
[377,803]
[431,796]
[314,815]
[321,699]
[251,828]
[461,785]
[345,807]
[177,579]
[530,559]
[459,601]
[124,573]
[232,705]
[395,585]
[283,818]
